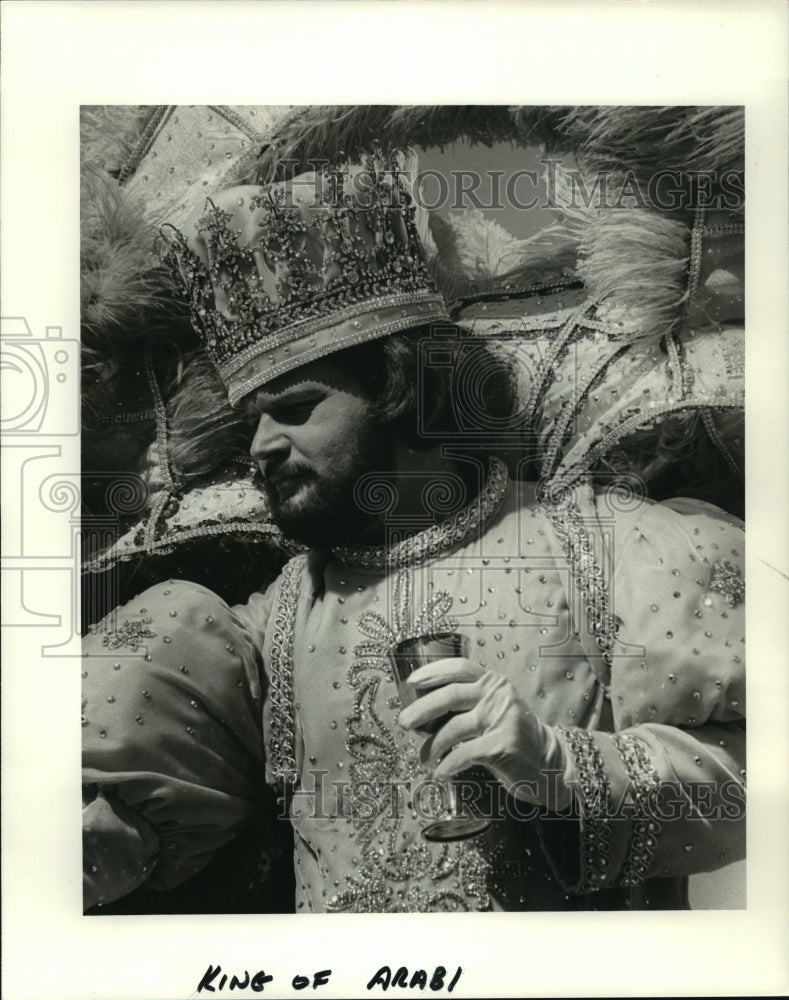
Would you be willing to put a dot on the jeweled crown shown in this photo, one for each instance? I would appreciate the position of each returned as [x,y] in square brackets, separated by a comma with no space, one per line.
[280,275]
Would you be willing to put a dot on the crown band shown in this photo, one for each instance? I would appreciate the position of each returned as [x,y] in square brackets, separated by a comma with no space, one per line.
[260,369]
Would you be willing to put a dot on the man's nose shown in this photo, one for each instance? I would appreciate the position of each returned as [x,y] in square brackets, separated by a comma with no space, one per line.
[269,440]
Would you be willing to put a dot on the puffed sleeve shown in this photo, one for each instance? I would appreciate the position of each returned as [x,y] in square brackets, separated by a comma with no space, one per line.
[662,794]
[173,761]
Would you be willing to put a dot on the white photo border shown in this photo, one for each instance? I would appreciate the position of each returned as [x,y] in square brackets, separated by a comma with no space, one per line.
[59,55]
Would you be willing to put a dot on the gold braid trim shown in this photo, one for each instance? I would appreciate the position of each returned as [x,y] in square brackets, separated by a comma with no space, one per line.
[438,538]
[568,525]
[596,826]
[646,828]
[282,742]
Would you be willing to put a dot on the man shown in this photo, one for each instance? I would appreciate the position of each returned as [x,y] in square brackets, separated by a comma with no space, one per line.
[597,714]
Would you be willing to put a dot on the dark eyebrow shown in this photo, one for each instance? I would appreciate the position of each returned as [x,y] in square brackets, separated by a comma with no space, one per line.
[263,401]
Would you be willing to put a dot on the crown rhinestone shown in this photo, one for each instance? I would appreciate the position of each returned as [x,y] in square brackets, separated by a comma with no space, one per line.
[332,256]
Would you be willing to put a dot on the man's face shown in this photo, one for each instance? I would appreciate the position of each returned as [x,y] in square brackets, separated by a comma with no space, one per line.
[314,438]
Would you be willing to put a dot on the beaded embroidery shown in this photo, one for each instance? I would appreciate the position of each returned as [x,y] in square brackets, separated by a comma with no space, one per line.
[565,423]
[717,440]
[432,619]
[727,579]
[131,634]
[282,743]
[645,827]
[547,367]
[505,871]
[439,537]
[568,524]
[734,356]
[596,829]
[379,763]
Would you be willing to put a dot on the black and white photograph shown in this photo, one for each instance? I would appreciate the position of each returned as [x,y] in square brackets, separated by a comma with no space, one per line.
[397,517]
[442,520]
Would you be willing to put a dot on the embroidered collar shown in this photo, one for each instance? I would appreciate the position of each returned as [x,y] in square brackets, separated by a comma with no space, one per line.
[437,538]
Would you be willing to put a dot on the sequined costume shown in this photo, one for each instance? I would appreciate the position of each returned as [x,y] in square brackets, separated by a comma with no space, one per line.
[619,621]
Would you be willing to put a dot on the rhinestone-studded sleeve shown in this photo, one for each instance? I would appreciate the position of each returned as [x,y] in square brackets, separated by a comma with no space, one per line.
[172,746]
[663,794]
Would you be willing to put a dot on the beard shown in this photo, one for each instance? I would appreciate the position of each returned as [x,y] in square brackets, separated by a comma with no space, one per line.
[324,510]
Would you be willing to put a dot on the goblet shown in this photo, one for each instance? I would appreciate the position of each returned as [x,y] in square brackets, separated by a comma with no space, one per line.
[457,821]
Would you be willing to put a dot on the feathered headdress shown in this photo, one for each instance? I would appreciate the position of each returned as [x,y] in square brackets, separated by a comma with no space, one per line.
[625,318]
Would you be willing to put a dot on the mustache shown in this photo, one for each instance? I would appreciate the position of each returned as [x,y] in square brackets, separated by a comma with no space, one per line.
[277,472]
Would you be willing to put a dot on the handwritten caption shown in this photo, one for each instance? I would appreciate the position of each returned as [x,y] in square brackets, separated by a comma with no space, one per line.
[215,980]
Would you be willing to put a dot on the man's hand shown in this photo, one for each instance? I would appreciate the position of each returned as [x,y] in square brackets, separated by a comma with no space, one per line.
[491,725]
